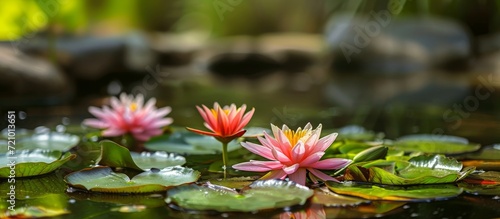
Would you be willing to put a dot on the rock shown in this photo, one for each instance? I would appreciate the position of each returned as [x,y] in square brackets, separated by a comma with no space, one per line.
[30,81]
[382,44]
[90,58]
[177,49]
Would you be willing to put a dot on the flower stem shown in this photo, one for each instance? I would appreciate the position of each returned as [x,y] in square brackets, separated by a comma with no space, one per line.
[224,158]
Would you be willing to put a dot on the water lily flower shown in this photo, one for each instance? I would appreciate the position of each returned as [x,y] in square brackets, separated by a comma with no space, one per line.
[129,115]
[225,123]
[292,153]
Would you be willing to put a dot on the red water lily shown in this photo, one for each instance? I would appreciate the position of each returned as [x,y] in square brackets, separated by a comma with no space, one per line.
[225,123]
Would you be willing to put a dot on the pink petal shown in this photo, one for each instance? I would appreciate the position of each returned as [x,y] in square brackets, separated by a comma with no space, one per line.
[325,142]
[258,166]
[280,156]
[299,176]
[95,123]
[291,169]
[258,149]
[298,152]
[330,164]
[97,112]
[162,123]
[274,174]
[321,175]
[246,118]
[113,132]
[313,158]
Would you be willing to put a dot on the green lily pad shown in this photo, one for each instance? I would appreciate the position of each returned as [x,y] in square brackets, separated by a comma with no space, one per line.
[260,195]
[46,185]
[48,141]
[435,144]
[115,155]
[418,170]
[491,152]
[32,162]
[482,183]
[327,198]
[158,159]
[103,179]
[396,193]
[183,142]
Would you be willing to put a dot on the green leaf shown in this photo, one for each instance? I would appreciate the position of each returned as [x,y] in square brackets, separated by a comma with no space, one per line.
[115,155]
[396,193]
[103,179]
[33,162]
[38,187]
[491,152]
[418,170]
[327,198]
[48,141]
[435,144]
[158,159]
[260,195]
[482,183]
[184,142]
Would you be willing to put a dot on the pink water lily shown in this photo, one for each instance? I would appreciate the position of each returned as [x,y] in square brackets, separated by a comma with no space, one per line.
[130,115]
[292,153]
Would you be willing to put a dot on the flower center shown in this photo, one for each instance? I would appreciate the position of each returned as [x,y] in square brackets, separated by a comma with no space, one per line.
[295,136]
[226,111]
[133,107]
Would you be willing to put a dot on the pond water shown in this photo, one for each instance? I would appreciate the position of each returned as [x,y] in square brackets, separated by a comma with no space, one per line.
[285,106]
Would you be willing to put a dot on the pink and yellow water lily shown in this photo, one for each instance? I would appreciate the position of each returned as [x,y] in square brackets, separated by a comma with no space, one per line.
[129,115]
[293,154]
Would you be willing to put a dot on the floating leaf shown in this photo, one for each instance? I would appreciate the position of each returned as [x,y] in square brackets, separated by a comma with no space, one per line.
[396,193]
[435,144]
[418,170]
[259,195]
[115,155]
[48,141]
[103,179]
[491,152]
[158,159]
[483,183]
[183,142]
[32,162]
[327,198]
[38,187]
[235,182]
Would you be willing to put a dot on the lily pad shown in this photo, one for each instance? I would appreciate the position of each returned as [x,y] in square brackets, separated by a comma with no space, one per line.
[396,193]
[48,141]
[183,142]
[327,198]
[435,144]
[32,162]
[103,179]
[260,195]
[115,155]
[491,152]
[418,170]
[253,132]
[158,159]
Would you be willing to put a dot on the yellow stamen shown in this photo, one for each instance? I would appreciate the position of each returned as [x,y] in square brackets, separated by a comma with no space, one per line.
[226,111]
[295,136]
[133,106]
